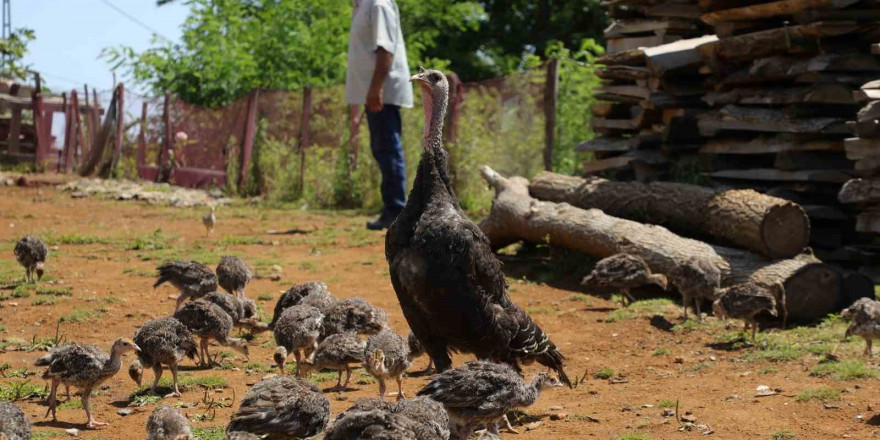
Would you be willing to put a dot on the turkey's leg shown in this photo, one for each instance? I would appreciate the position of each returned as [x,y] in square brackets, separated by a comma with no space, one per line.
[157,372]
[869,352]
[347,377]
[180,299]
[86,394]
[400,395]
[754,330]
[628,298]
[382,387]
[176,391]
[52,401]
[339,380]
[685,303]
[298,362]
[697,302]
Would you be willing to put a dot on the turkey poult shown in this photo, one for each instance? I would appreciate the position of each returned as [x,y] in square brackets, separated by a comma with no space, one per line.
[482,393]
[353,315]
[624,272]
[209,321]
[14,424]
[163,341]
[386,357]
[31,253]
[697,279]
[280,408]
[865,317]
[416,349]
[167,423]
[210,220]
[297,330]
[191,278]
[313,293]
[422,410]
[84,367]
[233,275]
[337,352]
[240,436]
[744,301]
[378,424]
[449,283]
[243,311]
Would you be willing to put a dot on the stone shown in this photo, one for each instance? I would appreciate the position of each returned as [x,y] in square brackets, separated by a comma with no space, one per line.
[72,431]
[124,412]
[558,416]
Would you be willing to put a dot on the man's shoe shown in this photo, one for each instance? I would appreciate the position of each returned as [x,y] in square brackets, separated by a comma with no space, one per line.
[381,223]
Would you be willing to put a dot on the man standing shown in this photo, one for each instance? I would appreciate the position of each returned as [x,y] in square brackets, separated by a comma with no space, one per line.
[378,77]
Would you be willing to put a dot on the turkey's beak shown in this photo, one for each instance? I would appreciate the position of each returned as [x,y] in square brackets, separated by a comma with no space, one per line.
[136,348]
[418,78]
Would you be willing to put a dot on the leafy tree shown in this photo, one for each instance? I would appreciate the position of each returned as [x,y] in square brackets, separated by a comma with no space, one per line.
[16,48]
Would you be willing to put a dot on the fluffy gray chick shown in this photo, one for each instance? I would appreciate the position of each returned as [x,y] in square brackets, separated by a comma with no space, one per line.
[238,435]
[378,424]
[242,310]
[387,357]
[624,272]
[337,352]
[482,392]
[865,317]
[297,331]
[163,341]
[313,293]
[280,408]
[696,279]
[233,274]
[191,278]
[31,253]
[745,301]
[13,423]
[209,321]
[167,423]
[353,315]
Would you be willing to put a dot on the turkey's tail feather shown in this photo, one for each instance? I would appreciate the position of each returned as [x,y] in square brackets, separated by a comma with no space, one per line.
[554,360]
[160,281]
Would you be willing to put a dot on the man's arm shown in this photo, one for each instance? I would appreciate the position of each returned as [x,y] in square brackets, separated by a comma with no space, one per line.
[380,73]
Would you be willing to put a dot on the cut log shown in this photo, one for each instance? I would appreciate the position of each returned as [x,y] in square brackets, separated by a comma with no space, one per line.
[814,288]
[740,118]
[860,192]
[772,9]
[768,225]
[613,163]
[622,44]
[858,148]
[606,143]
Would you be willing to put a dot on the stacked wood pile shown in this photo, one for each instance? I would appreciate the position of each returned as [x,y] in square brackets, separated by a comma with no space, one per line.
[762,101]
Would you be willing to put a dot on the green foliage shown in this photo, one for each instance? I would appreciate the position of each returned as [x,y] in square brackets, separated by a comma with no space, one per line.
[848,370]
[635,436]
[823,394]
[145,400]
[150,242]
[666,403]
[82,315]
[212,433]
[16,46]
[662,351]
[230,47]
[783,434]
[640,309]
[605,373]
[20,390]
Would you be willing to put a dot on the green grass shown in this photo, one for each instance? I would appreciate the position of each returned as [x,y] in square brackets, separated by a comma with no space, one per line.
[20,390]
[823,394]
[662,351]
[18,373]
[770,369]
[265,297]
[319,377]
[783,434]
[243,240]
[82,315]
[666,403]
[145,400]
[55,291]
[185,383]
[43,435]
[212,433]
[580,297]
[642,309]
[77,239]
[848,370]
[365,379]
[140,272]
[539,310]
[44,300]
[258,367]
[796,343]
[154,241]
[605,373]
[635,436]
[73,403]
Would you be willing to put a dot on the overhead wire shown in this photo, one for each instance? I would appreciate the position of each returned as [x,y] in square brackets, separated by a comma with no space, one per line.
[135,20]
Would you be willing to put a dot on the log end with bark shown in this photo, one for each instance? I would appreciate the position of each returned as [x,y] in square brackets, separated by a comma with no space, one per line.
[813,288]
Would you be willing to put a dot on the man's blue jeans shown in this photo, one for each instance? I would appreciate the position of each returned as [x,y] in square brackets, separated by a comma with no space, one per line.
[387,147]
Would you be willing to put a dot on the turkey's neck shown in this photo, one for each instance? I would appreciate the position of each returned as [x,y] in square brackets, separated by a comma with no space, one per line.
[532,392]
[435,109]
[113,364]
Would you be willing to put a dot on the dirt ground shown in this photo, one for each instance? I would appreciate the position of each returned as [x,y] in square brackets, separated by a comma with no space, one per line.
[99,279]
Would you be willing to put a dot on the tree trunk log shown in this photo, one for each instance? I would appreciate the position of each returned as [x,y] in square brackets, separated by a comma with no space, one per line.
[813,288]
[770,226]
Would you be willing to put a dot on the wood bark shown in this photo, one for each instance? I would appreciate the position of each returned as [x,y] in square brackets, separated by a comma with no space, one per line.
[767,225]
[813,288]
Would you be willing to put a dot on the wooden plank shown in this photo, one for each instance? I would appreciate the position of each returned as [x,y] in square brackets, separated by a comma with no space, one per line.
[859,15]
[870,112]
[676,55]
[861,148]
[866,95]
[829,93]
[621,28]
[773,41]
[551,89]
[854,80]
[43,140]
[607,109]
[811,160]
[768,145]
[865,129]
[625,91]
[732,117]
[772,9]
[670,9]
[770,174]
[247,141]
[635,57]
[141,157]
[623,73]
[608,143]
[613,163]
[875,84]
[728,29]
[615,45]
[15,132]
[777,68]
[875,48]
[120,128]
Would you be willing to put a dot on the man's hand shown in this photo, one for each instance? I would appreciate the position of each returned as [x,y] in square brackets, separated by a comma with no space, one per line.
[374,99]
[380,72]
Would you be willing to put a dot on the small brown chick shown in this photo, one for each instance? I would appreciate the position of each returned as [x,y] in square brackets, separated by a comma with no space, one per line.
[745,301]
[210,220]
[696,279]
[865,317]
[31,253]
[622,271]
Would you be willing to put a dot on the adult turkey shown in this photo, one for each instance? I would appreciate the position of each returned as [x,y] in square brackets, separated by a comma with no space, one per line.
[449,283]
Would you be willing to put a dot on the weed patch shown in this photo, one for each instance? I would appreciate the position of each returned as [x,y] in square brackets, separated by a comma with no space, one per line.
[823,394]
[849,370]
